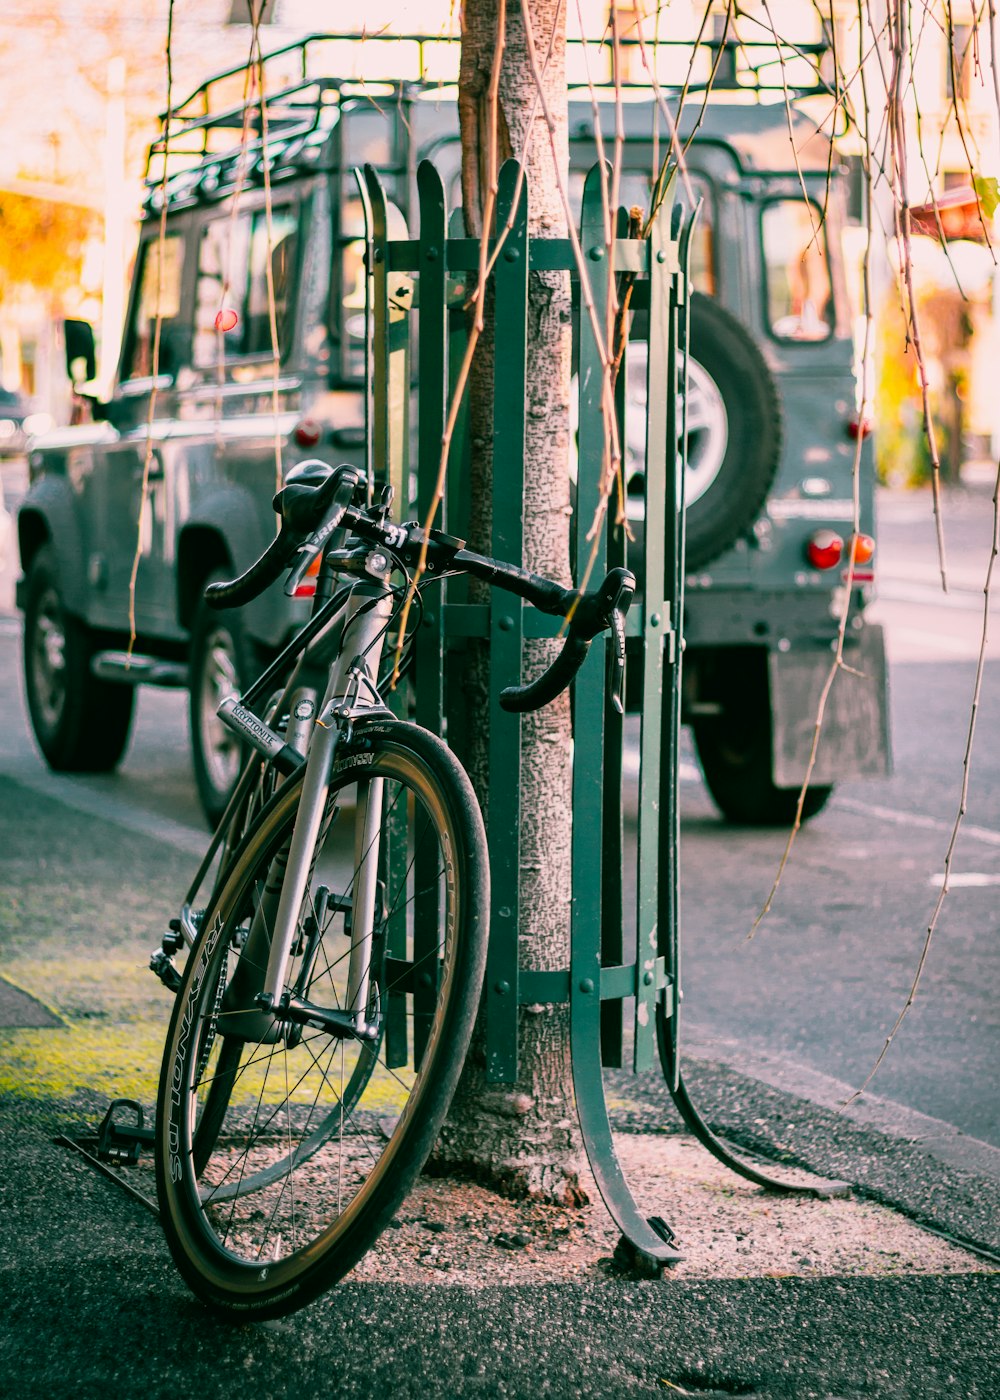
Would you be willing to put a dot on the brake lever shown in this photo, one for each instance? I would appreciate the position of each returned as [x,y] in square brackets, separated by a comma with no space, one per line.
[623,595]
[617,683]
[313,544]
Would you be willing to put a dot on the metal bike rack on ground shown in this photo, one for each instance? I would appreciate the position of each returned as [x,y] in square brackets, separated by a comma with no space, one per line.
[418,288]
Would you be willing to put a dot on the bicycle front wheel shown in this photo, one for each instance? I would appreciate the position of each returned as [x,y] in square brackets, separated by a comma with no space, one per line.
[285,1145]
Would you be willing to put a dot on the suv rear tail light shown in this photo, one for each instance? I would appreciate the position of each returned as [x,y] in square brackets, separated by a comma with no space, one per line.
[825,549]
[859,427]
[307,432]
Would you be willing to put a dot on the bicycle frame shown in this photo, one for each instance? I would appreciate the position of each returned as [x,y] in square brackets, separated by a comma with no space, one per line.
[351,694]
[312,736]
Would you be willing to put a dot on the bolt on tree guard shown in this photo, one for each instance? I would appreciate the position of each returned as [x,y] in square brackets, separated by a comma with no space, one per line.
[429,276]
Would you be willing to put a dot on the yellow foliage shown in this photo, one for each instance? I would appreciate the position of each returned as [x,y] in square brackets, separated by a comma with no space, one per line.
[41,243]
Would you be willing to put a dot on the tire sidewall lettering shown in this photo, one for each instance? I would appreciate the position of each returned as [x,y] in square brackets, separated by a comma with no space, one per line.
[180,1056]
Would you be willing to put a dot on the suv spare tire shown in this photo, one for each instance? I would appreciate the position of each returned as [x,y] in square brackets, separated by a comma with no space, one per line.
[733,430]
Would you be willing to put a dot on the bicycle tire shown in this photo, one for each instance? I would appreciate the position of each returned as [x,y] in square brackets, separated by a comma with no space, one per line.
[302,1160]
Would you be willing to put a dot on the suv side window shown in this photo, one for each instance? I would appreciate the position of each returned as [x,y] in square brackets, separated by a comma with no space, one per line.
[796,270]
[278,245]
[159,293]
[222,256]
[233,260]
[352,282]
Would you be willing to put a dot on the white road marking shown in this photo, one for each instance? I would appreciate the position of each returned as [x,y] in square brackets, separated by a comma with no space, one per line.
[897,591]
[890,814]
[928,646]
[965,880]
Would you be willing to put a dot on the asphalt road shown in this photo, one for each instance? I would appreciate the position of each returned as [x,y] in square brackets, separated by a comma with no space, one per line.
[812,997]
[824,978]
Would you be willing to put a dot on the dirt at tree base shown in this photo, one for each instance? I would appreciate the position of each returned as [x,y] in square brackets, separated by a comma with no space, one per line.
[456,1232]
[451,1231]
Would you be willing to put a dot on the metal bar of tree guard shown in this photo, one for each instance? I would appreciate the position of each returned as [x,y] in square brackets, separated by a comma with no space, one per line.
[432,357]
[595,976]
[648,1238]
[506,631]
[386,431]
[674,485]
[613,819]
[657,755]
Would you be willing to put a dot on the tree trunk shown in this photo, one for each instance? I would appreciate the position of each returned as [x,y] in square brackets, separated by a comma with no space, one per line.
[525,1138]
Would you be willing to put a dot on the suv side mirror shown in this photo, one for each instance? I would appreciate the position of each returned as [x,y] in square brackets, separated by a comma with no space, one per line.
[79,337]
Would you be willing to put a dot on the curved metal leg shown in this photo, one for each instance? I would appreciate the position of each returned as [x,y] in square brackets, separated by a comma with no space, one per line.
[649,1241]
[820,1186]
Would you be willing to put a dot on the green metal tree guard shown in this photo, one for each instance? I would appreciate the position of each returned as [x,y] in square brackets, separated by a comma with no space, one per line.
[426,279]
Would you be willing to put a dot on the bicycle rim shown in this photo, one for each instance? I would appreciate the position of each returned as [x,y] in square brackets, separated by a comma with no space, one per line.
[283,1147]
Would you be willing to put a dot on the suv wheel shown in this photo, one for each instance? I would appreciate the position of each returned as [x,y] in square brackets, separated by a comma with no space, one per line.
[81,723]
[734,749]
[220,664]
[733,429]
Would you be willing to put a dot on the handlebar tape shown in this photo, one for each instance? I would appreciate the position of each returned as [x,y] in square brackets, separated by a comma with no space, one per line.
[302,502]
[519,699]
[593,613]
[234,593]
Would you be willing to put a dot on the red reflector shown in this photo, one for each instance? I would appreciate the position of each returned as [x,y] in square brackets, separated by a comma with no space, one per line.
[307,433]
[859,427]
[226,319]
[307,588]
[825,549]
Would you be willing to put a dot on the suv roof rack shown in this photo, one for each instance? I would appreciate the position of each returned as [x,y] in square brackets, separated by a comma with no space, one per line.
[304,90]
[761,66]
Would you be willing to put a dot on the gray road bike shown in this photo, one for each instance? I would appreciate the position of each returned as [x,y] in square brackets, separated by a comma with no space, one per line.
[333,976]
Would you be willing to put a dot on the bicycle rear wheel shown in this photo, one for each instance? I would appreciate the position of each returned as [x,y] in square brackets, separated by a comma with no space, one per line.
[284,1147]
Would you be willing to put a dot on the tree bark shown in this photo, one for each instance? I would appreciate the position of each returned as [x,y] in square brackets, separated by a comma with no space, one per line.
[524,1139]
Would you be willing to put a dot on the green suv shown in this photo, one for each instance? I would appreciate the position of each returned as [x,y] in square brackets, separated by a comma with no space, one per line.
[772,427]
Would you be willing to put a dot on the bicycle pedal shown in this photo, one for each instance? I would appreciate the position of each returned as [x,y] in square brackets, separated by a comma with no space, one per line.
[120,1142]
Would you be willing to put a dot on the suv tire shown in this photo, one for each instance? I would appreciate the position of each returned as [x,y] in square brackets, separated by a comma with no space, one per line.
[81,723]
[734,432]
[221,664]
[734,748]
